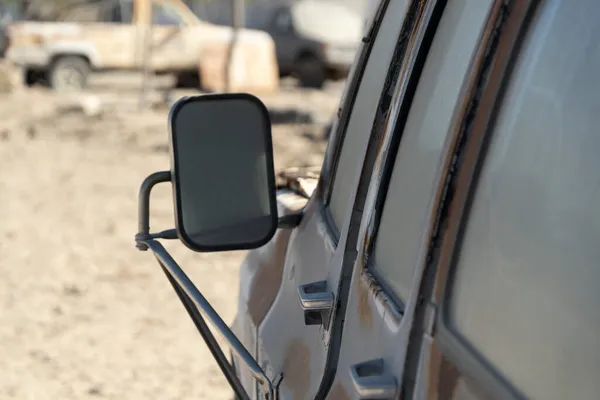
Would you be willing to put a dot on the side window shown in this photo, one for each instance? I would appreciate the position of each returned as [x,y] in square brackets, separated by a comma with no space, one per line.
[120,12]
[83,13]
[282,20]
[526,289]
[414,178]
[163,14]
[363,113]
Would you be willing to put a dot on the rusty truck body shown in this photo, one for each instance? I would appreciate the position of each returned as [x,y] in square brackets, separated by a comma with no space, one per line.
[447,249]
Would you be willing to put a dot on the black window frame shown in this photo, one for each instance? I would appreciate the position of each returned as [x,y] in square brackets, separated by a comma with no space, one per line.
[499,47]
[387,161]
[337,137]
[406,66]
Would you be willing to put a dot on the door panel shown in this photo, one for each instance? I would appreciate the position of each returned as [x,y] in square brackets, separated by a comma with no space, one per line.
[286,344]
[395,230]
[114,44]
[517,285]
[173,44]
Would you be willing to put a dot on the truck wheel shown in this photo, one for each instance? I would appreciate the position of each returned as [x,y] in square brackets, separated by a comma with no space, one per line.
[69,73]
[310,71]
[188,80]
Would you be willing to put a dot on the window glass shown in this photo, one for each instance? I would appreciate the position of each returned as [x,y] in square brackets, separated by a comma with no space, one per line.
[403,222]
[283,20]
[527,286]
[163,14]
[120,12]
[363,113]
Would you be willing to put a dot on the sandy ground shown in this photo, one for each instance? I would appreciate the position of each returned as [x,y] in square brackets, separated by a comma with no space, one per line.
[83,314]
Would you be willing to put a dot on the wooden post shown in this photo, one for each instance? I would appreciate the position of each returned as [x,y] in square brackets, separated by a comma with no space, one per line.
[238,22]
[145,16]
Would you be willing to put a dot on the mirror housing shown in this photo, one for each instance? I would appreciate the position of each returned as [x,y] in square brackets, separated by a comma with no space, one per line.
[222,172]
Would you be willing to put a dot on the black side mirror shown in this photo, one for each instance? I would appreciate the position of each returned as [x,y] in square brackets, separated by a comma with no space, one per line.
[222,172]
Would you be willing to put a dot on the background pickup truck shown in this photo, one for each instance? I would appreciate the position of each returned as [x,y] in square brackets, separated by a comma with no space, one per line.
[128,34]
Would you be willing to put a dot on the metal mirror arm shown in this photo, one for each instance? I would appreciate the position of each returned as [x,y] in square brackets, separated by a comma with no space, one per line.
[144,207]
[184,286]
[192,298]
[208,337]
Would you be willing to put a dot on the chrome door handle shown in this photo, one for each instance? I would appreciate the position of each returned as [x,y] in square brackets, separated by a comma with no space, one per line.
[316,302]
[371,382]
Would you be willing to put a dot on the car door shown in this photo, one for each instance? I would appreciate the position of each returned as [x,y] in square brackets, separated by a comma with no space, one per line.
[402,198]
[170,42]
[513,310]
[299,335]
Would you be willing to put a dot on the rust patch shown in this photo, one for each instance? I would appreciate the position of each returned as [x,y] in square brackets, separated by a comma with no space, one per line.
[365,314]
[443,377]
[338,392]
[367,286]
[268,278]
[448,380]
[296,368]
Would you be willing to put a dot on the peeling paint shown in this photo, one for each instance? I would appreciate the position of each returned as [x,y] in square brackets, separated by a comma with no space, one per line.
[365,314]
[268,278]
[270,263]
[296,368]
[448,382]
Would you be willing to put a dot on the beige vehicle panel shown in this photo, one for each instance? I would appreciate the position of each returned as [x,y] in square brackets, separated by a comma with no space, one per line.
[114,44]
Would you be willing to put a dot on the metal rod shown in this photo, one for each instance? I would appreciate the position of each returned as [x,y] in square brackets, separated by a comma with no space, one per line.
[200,301]
[144,205]
[208,337]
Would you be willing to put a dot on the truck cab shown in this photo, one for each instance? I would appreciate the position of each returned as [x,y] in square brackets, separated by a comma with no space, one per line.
[448,247]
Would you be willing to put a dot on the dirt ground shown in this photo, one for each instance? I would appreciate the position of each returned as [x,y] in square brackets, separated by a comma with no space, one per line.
[83,314]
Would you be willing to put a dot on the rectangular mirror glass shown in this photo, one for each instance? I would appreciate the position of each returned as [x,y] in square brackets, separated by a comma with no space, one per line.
[222,172]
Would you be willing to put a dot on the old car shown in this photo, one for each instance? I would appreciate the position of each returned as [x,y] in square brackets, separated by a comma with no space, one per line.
[448,247]
[163,35]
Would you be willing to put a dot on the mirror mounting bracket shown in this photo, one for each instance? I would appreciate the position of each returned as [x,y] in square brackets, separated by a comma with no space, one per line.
[144,207]
[289,221]
[193,300]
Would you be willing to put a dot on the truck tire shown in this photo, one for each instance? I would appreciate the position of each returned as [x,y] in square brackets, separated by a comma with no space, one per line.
[310,72]
[188,80]
[69,73]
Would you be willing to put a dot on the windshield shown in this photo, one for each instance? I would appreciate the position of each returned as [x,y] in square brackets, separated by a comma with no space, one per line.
[312,18]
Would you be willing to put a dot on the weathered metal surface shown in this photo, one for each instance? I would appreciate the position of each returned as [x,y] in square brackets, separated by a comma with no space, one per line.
[269,262]
[338,392]
[260,280]
[296,368]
